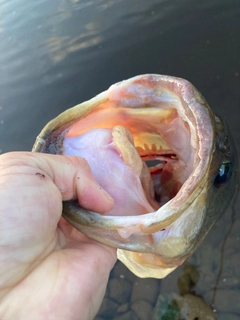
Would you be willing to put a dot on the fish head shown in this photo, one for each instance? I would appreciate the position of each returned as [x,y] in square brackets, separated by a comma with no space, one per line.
[167,160]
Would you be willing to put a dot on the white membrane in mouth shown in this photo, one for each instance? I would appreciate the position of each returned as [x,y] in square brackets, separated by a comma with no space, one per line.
[109,169]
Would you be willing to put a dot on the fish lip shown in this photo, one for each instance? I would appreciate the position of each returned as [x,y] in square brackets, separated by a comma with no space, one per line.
[201,125]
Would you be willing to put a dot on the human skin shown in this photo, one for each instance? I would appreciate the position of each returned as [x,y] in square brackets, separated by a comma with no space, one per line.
[49,270]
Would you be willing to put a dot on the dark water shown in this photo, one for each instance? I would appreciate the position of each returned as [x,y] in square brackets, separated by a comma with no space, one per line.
[55,54]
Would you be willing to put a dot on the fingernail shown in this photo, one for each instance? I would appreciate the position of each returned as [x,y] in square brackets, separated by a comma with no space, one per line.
[107,195]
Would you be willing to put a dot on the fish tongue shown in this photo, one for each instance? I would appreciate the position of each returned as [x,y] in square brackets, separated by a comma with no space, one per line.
[123,141]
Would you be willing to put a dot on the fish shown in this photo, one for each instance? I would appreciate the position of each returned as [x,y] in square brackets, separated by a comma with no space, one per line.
[165,157]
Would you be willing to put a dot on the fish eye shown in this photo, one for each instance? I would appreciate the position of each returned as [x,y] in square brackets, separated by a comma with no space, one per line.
[224,174]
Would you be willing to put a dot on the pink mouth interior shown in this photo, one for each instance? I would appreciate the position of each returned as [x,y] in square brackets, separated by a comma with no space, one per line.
[161,139]
[110,170]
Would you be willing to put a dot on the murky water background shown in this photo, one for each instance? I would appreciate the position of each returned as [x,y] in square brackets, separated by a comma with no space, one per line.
[55,54]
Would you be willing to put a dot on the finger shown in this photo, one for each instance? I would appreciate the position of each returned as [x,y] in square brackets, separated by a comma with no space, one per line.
[71,175]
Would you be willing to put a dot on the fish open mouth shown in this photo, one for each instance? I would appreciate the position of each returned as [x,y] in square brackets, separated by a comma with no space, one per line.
[151,120]
[151,133]
[153,143]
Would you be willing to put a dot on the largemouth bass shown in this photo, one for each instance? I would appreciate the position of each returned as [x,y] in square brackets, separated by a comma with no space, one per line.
[167,160]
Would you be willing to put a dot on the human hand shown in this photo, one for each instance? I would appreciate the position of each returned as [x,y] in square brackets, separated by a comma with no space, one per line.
[49,270]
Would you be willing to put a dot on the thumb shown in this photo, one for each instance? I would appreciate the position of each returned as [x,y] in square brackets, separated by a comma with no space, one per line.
[71,175]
